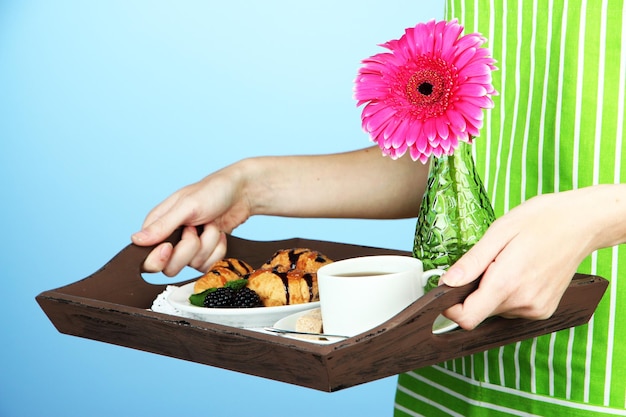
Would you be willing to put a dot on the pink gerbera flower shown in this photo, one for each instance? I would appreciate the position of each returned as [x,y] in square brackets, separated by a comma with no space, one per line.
[428,93]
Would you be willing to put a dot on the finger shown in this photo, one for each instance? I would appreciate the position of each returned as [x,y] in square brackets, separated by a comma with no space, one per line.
[530,303]
[205,257]
[219,251]
[469,267]
[183,252]
[158,258]
[490,298]
[465,316]
[477,306]
[476,260]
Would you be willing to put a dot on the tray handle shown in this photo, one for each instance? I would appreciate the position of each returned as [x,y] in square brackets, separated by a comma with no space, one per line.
[120,280]
[412,327]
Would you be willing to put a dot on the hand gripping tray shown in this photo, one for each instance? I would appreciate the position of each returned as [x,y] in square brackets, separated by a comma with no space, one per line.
[112,306]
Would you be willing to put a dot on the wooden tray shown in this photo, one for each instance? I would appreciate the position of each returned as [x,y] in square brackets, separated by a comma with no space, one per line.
[111,306]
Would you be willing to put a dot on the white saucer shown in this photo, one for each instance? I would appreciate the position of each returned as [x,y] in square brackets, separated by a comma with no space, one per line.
[440,325]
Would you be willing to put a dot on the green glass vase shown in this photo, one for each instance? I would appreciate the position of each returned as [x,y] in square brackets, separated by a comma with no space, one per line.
[455,211]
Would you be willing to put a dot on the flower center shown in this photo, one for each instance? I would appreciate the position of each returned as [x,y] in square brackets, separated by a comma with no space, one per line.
[429,86]
[425,89]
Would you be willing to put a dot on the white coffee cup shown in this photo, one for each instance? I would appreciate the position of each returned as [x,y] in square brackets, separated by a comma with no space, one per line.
[358,294]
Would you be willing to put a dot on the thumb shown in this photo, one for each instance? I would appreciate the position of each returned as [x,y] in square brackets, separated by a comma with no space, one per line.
[150,235]
[158,230]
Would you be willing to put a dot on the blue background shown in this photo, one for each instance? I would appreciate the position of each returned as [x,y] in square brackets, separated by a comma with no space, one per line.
[108,107]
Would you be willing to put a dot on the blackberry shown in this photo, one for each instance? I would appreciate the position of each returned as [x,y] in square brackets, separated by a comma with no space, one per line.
[246,298]
[220,298]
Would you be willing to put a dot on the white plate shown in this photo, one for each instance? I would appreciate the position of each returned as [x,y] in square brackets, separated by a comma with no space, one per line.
[236,317]
[440,325]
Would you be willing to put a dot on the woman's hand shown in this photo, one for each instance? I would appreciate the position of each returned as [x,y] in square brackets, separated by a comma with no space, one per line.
[218,203]
[528,257]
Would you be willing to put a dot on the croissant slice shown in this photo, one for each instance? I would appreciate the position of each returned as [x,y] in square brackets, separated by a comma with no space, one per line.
[303,259]
[228,269]
[276,288]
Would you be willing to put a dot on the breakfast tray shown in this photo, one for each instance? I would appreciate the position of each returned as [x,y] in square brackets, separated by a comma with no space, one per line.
[113,306]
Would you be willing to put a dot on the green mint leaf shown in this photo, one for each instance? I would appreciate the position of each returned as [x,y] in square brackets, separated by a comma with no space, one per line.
[237,284]
[198,299]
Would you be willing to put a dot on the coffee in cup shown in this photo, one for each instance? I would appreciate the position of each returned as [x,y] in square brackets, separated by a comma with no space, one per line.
[358,294]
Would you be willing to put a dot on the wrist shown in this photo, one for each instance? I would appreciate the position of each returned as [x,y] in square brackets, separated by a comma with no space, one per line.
[253,176]
[608,203]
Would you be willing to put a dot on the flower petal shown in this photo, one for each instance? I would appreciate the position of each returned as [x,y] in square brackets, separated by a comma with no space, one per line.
[471,41]
[421,143]
[456,120]
[474,70]
[442,128]
[484,102]
[463,58]
[450,34]
[430,129]
[440,28]
[401,150]
[473,90]
[405,130]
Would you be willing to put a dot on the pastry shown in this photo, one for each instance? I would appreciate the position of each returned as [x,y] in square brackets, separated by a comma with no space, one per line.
[279,288]
[304,259]
[228,269]
[288,277]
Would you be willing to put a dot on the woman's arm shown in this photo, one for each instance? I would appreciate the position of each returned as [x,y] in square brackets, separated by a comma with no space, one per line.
[357,184]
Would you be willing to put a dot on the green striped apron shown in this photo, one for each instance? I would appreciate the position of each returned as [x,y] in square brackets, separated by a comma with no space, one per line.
[557,124]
